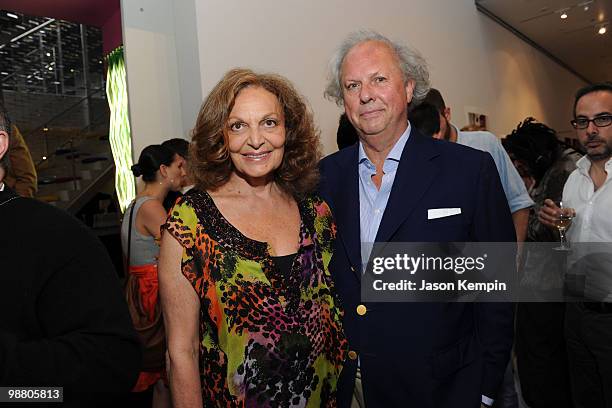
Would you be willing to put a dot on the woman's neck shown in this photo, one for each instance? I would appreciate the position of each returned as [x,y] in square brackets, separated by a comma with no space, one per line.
[156,190]
[250,188]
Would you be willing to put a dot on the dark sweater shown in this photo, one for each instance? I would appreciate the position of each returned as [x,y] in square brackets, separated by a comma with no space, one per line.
[63,319]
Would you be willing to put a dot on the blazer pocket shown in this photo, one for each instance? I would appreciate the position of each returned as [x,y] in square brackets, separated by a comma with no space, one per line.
[455,357]
[435,213]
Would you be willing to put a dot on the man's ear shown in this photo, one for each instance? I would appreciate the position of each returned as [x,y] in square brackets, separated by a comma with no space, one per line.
[447,113]
[409,90]
[4,143]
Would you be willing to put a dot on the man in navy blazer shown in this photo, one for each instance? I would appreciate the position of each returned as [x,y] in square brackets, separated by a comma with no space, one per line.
[422,355]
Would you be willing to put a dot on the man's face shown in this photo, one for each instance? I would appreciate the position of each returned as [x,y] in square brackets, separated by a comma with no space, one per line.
[374,92]
[4,145]
[445,127]
[597,141]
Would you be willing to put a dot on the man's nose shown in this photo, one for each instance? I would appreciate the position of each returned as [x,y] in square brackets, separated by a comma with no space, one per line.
[591,128]
[366,94]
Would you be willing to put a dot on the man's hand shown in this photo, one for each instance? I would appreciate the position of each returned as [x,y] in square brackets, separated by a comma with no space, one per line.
[549,213]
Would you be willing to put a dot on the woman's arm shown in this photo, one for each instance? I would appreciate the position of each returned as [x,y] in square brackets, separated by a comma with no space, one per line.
[150,217]
[181,307]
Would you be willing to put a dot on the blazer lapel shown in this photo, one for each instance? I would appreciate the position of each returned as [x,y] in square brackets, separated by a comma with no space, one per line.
[415,174]
[347,203]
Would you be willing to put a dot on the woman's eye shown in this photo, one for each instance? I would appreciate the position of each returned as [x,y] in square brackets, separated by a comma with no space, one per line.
[270,123]
[235,127]
[351,86]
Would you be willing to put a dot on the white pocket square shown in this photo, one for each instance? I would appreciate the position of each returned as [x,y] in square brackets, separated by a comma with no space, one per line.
[434,213]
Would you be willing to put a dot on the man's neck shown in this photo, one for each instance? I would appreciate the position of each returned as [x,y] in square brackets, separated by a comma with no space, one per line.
[377,148]
[597,171]
[453,133]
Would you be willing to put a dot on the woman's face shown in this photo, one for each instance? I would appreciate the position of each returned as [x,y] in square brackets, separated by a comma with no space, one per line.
[255,134]
[176,173]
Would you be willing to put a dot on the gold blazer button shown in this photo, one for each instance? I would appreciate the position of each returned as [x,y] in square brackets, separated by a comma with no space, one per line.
[352,355]
[361,310]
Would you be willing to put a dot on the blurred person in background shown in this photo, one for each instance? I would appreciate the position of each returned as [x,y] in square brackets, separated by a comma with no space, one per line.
[21,176]
[181,148]
[63,321]
[162,171]
[539,343]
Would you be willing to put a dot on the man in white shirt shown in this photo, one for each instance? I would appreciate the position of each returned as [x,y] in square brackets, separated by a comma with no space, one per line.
[588,193]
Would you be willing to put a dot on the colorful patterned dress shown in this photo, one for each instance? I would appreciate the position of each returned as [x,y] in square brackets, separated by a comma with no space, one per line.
[267,339]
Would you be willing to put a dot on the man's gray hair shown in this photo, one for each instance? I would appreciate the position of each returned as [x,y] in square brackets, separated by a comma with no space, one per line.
[412,65]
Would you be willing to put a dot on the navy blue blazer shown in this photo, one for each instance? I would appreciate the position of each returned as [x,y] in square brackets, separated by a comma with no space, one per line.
[421,355]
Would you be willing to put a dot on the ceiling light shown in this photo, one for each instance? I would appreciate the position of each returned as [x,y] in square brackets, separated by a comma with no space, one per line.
[602,30]
[563,15]
[11,15]
[586,5]
[44,157]
[48,54]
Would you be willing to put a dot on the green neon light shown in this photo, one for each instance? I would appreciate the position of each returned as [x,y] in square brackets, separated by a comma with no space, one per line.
[119,130]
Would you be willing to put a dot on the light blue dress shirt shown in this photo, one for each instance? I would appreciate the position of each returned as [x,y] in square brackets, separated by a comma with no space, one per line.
[372,202]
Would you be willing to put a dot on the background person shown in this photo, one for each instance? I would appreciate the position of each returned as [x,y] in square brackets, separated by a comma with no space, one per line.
[162,171]
[588,193]
[514,188]
[63,320]
[539,343]
[249,305]
[181,148]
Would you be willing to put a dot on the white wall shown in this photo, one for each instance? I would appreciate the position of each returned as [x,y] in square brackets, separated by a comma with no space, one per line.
[473,61]
[177,50]
[163,71]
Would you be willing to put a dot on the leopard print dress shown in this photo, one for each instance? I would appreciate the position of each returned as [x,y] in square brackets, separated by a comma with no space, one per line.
[267,339]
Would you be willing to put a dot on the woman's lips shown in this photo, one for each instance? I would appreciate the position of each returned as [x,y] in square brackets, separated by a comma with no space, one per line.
[256,156]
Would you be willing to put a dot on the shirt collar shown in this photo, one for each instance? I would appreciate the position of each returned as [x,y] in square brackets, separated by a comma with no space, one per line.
[584,165]
[396,151]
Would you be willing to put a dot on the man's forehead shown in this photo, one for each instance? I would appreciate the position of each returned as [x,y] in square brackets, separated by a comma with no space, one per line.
[373,56]
[597,100]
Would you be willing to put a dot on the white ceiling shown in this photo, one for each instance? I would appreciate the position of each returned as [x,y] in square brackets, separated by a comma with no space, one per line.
[574,40]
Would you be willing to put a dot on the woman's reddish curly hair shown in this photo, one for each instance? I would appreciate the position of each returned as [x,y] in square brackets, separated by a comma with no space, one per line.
[210,162]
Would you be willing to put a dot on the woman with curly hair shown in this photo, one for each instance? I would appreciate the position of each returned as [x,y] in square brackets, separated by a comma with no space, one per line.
[251,314]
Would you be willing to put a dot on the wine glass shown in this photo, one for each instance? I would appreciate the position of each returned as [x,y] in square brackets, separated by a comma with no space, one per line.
[562,223]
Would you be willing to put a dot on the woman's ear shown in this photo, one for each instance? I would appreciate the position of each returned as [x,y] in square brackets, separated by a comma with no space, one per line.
[163,170]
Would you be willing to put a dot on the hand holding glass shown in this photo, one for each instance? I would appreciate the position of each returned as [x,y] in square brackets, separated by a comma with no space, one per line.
[563,221]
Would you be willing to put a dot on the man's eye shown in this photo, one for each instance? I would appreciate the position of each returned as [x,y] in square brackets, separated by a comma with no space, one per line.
[236,126]
[582,122]
[351,86]
[379,79]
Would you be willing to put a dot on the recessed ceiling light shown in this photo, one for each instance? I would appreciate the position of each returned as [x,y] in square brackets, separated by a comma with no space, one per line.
[602,30]
[11,15]
[586,8]
[563,15]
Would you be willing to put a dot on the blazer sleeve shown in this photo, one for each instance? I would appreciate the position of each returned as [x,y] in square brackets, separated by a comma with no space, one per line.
[494,321]
[21,176]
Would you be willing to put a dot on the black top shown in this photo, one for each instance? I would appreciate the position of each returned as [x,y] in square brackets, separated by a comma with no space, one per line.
[284,263]
[63,317]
